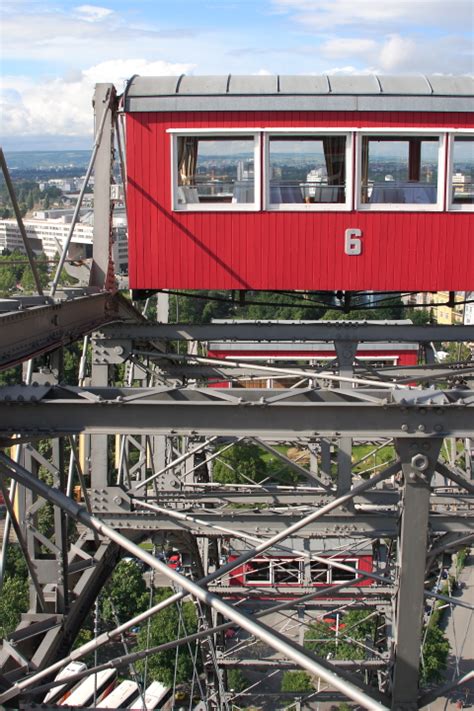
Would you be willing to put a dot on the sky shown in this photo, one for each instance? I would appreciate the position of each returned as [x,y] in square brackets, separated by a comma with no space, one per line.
[54,51]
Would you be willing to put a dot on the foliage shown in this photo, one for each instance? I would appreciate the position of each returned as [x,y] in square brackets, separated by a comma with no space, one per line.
[27,280]
[321,637]
[236,680]
[296,681]
[165,626]
[125,593]
[435,652]
[14,598]
[461,556]
[239,464]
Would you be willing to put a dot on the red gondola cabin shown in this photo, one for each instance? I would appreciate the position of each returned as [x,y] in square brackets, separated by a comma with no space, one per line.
[305,182]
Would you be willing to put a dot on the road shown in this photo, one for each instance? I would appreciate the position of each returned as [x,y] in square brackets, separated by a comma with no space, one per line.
[459,629]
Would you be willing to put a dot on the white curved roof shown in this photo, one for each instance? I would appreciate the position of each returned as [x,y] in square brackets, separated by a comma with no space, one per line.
[300,93]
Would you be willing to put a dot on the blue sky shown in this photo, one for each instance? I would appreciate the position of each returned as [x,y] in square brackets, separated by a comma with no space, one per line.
[54,51]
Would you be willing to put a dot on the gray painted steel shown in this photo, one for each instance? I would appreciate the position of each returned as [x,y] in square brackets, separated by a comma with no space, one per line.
[292,332]
[24,334]
[44,411]
[300,93]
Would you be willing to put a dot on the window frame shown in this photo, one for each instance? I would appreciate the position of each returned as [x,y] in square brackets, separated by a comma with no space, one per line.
[232,133]
[346,561]
[403,134]
[450,206]
[318,131]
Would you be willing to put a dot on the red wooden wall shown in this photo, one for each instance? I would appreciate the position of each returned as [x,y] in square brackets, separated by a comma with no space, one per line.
[417,251]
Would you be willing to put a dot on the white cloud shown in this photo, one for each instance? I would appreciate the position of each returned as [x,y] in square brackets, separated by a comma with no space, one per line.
[92,13]
[63,106]
[347,46]
[397,52]
[324,14]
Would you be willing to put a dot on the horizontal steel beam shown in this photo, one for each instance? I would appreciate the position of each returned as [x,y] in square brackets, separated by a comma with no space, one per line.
[292,331]
[269,414]
[261,522]
[28,333]
[359,597]
[237,662]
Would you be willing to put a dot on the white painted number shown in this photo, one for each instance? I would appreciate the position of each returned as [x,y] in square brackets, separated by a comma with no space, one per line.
[352,242]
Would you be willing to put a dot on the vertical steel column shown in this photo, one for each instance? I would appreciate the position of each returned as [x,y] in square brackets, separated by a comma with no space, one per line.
[418,465]
[102,267]
[346,352]
[99,452]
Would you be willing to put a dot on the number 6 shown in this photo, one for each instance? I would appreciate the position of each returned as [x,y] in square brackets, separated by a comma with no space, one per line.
[352,242]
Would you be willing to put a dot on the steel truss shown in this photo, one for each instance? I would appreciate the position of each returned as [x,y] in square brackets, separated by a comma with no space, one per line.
[142,452]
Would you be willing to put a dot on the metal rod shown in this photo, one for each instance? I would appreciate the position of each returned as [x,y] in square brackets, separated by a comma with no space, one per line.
[272,369]
[21,226]
[443,690]
[102,639]
[289,462]
[180,516]
[296,653]
[175,462]
[90,167]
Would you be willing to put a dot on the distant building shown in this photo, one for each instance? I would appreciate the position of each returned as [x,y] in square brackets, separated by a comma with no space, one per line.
[469,309]
[462,183]
[49,235]
[245,170]
[447,315]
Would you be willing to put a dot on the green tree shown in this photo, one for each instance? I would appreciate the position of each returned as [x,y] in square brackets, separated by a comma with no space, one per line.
[125,593]
[324,639]
[27,280]
[13,601]
[14,598]
[435,653]
[239,464]
[236,680]
[296,681]
[165,627]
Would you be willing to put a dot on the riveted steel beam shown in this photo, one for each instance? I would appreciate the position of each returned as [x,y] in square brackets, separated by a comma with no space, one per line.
[33,331]
[293,331]
[55,410]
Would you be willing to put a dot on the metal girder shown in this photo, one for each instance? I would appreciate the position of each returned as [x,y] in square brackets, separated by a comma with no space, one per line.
[292,331]
[28,333]
[268,522]
[359,597]
[270,414]
[235,662]
[418,467]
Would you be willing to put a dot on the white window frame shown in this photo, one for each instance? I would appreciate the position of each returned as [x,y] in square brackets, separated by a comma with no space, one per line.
[282,561]
[402,134]
[345,580]
[248,573]
[450,206]
[315,131]
[254,206]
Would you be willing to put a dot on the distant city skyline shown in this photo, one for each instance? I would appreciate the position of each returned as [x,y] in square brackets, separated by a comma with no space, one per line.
[54,52]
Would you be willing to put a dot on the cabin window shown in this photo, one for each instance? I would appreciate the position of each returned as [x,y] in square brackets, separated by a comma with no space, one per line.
[258,571]
[308,172]
[344,576]
[400,172]
[215,172]
[319,573]
[286,571]
[461,182]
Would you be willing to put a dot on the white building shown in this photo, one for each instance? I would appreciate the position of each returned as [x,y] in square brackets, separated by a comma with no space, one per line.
[49,236]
